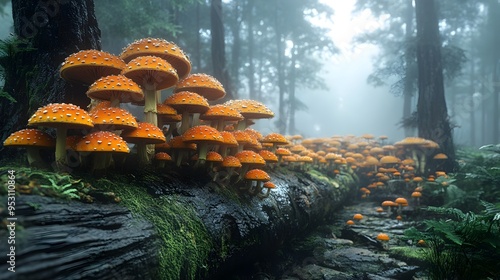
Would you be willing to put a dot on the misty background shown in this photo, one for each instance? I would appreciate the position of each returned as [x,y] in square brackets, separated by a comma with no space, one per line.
[349,105]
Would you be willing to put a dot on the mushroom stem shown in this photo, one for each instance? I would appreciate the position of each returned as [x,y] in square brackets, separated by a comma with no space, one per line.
[61,147]
[34,158]
[142,153]
[100,161]
[264,195]
[242,125]
[184,122]
[150,104]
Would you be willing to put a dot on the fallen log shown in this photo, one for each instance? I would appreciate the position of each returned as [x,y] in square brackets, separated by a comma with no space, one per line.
[168,225]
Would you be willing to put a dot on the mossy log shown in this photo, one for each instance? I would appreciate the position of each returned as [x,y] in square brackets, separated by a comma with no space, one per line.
[167,226]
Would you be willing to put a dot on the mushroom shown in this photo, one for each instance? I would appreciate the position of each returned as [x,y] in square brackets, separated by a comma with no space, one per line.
[102,144]
[358,217]
[282,152]
[389,204]
[159,48]
[145,133]
[250,110]
[349,222]
[255,179]
[416,195]
[33,140]
[113,118]
[242,138]
[62,117]
[152,73]
[230,163]
[228,142]
[401,202]
[269,157]
[268,186]
[249,159]
[384,238]
[202,136]
[276,139]
[218,114]
[180,150]
[213,158]
[187,103]
[87,66]
[167,115]
[117,89]
[202,84]
[161,158]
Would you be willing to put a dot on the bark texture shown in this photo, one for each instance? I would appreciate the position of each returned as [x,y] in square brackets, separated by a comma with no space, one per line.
[432,113]
[48,32]
[73,240]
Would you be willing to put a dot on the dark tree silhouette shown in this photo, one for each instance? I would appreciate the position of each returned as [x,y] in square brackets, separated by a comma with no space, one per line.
[432,114]
[46,32]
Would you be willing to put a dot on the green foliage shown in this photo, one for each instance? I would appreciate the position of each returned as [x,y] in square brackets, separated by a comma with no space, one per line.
[42,183]
[461,245]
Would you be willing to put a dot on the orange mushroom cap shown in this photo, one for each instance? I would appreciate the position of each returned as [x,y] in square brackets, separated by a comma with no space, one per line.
[187,101]
[87,66]
[440,156]
[242,137]
[416,194]
[231,161]
[102,141]
[283,152]
[115,87]
[250,157]
[163,156]
[269,185]
[177,143]
[383,237]
[228,139]
[145,133]
[202,133]
[357,217]
[61,115]
[202,84]
[160,48]
[389,203]
[350,222]
[275,138]
[257,175]
[251,109]
[113,118]
[252,132]
[268,156]
[214,157]
[401,200]
[221,112]
[30,137]
[151,70]
[389,160]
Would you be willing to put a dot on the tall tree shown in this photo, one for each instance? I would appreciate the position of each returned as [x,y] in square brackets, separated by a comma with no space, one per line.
[46,33]
[432,113]
[219,47]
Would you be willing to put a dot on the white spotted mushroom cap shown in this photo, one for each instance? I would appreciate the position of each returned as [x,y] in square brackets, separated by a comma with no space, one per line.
[58,115]
[87,66]
[151,70]
[30,137]
[203,84]
[145,133]
[102,141]
[113,118]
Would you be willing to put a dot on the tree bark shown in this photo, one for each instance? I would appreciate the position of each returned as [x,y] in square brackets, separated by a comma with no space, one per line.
[50,31]
[282,118]
[251,45]
[432,114]
[219,47]
[409,64]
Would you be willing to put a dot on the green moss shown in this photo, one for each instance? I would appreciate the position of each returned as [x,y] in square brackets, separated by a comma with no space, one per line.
[408,254]
[185,242]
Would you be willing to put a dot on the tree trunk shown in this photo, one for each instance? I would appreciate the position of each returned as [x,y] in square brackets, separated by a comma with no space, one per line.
[50,31]
[472,108]
[219,47]
[197,49]
[293,100]
[251,43]
[496,93]
[236,48]
[409,64]
[432,114]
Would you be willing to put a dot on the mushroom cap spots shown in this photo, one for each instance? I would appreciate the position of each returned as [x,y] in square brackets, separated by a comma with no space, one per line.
[254,133]
[58,115]
[102,141]
[214,157]
[250,109]
[151,71]
[87,66]
[221,112]
[187,101]
[71,141]
[242,137]
[257,175]
[115,87]
[268,156]
[383,237]
[275,138]
[163,110]
[231,161]
[389,160]
[228,139]
[178,143]
[282,152]
[160,48]
[98,104]
[113,118]
[203,84]
[30,137]
[250,157]
[145,133]
[202,134]
[162,156]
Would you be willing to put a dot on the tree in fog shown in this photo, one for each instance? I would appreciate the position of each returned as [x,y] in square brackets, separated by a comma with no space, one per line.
[432,113]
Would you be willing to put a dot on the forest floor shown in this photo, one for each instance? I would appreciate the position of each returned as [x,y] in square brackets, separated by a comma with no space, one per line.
[338,251]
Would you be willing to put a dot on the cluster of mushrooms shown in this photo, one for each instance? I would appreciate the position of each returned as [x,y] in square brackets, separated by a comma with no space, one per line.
[189,128]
